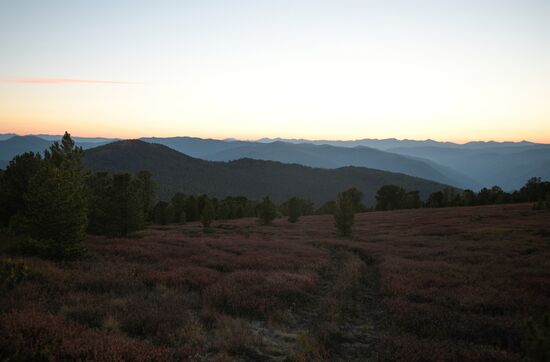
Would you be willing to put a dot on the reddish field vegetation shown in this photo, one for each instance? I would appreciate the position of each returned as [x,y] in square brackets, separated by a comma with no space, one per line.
[431,284]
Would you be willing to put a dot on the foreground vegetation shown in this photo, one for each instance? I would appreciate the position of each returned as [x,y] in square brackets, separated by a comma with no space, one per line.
[432,284]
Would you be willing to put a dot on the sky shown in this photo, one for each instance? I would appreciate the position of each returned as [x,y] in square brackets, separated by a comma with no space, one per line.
[446,70]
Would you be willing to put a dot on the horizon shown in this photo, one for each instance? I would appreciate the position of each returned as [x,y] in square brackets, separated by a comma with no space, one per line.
[273,138]
[292,69]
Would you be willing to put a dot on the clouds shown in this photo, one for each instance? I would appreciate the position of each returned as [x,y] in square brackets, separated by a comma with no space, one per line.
[34,80]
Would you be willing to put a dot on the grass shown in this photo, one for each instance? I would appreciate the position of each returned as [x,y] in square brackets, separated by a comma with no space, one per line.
[429,284]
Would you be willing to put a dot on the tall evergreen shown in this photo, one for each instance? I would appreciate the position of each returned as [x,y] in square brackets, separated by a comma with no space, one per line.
[15,183]
[294,209]
[55,207]
[126,211]
[178,208]
[208,213]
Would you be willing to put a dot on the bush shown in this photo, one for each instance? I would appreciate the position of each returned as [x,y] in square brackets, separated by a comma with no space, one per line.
[12,272]
[538,340]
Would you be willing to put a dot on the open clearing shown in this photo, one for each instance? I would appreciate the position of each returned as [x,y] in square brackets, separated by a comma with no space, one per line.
[427,284]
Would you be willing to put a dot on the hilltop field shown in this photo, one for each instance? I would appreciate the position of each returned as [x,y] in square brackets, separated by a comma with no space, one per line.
[460,284]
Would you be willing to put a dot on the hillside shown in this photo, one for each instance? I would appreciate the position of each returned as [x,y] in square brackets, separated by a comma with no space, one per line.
[326,156]
[13,146]
[508,166]
[175,171]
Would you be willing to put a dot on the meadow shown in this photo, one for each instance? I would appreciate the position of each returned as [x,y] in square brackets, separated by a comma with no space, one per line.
[427,284]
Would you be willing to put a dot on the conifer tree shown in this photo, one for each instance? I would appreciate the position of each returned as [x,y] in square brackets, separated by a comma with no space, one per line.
[208,213]
[55,208]
[267,211]
[344,212]
[294,209]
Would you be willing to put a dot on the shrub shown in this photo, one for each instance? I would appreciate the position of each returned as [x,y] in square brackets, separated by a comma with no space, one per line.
[12,272]
[538,340]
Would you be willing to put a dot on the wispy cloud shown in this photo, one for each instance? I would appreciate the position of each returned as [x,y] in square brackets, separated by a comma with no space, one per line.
[60,81]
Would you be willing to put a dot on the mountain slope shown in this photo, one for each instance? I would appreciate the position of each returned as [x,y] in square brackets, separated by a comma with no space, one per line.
[326,156]
[16,145]
[507,166]
[175,171]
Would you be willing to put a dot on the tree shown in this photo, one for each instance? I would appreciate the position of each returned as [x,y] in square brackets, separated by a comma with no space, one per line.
[191,209]
[208,214]
[98,192]
[436,199]
[126,213]
[267,211]
[344,210]
[55,209]
[390,197]
[146,192]
[178,208]
[162,213]
[294,209]
[15,183]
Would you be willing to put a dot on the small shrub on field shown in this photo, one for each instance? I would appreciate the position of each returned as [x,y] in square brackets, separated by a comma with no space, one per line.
[235,337]
[34,335]
[155,316]
[12,272]
[110,324]
[193,337]
[538,340]
[257,293]
[188,276]
[306,349]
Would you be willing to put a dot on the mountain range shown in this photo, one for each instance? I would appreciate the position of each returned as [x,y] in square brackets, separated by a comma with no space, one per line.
[472,165]
[255,179]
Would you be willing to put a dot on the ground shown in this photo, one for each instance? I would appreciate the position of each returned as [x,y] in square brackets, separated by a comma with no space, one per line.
[431,284]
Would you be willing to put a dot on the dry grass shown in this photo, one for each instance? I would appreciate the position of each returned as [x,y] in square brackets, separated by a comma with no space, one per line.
[442,284]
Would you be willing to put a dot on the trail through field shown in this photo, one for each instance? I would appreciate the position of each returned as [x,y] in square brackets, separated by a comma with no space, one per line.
[340,321]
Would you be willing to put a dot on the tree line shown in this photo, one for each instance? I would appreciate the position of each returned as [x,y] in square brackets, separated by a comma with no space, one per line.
[390,197]
[51,203]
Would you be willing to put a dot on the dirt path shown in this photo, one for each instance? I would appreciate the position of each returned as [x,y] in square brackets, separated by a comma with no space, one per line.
[340,322]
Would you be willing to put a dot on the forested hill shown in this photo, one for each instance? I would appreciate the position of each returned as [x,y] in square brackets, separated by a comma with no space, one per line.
[175,171]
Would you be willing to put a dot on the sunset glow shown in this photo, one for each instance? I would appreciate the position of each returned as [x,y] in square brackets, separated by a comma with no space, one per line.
[444,70]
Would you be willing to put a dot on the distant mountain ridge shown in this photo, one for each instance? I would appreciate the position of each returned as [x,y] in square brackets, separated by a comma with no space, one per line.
[15,145]
[247,177]
[471,165]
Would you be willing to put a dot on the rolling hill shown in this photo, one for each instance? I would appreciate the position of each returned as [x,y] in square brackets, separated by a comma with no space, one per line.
[327,156]
[175,171]
[308,154]
[504,165]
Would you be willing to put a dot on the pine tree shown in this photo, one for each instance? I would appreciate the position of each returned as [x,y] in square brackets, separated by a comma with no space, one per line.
[294,209]
[178,208]
[346,205]
[55,208]
[208,213]
[126,211]
[15,183]
[267,211]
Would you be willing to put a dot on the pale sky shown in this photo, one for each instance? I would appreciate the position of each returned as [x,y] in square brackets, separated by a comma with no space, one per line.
[447,70]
